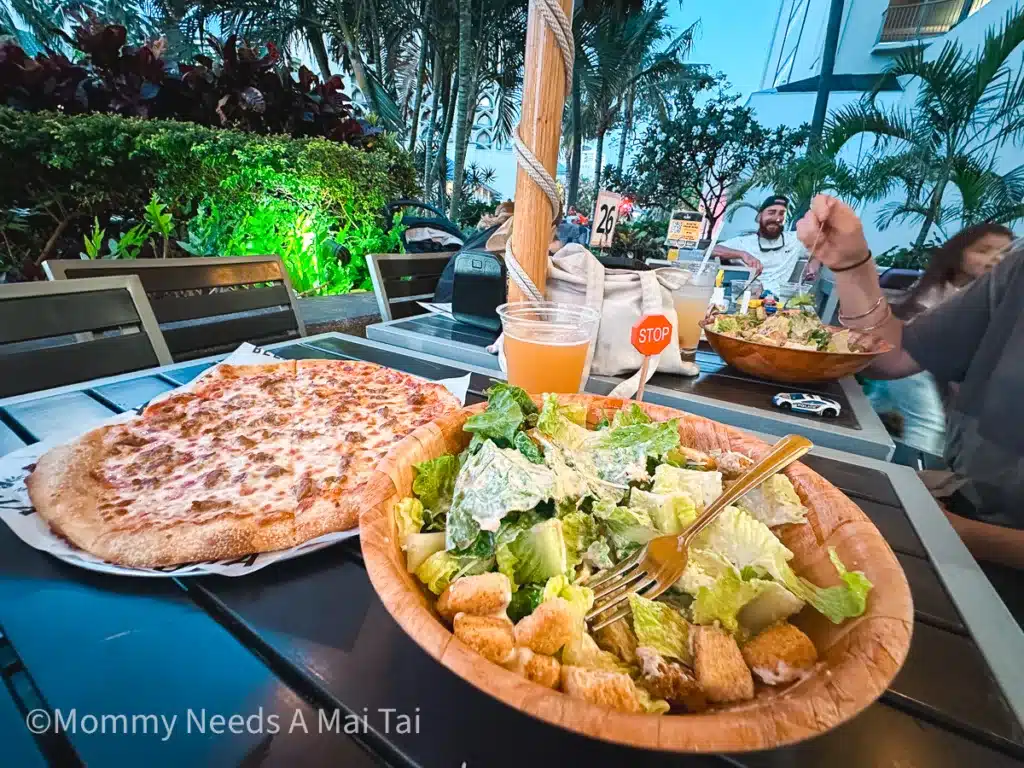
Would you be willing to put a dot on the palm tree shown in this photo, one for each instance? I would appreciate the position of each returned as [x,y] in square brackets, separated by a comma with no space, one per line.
[492,38]
[967,106]
[627,60]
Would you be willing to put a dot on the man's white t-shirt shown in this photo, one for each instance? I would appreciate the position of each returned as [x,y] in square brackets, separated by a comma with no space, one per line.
[779,257]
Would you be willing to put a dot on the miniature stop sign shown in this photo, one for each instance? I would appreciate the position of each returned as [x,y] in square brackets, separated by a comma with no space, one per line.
[651,334]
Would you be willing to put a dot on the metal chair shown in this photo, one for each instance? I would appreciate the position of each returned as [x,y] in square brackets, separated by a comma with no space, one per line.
[208,305]
[402,279]
[52,334]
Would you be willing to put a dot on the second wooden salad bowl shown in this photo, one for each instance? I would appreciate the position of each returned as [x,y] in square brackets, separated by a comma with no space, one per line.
[861,656]
[794,366]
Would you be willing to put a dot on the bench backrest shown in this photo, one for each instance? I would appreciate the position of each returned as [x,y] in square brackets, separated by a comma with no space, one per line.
[402,279]
[207,305]
[52,334]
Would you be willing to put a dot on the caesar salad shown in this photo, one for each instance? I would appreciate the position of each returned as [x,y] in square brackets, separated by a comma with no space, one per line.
[507,534]
[790,328]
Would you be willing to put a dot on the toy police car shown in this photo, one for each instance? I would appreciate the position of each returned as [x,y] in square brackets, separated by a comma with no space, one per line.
[816,404]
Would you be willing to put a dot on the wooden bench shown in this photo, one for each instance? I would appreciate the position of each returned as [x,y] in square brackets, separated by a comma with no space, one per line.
[208,305]
[52,334]
[402,279]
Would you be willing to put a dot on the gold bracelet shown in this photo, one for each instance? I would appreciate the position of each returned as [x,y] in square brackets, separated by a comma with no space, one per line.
[843,318]
[876,326]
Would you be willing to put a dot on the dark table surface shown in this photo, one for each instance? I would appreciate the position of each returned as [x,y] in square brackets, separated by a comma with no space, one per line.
[303,651]
[734,397]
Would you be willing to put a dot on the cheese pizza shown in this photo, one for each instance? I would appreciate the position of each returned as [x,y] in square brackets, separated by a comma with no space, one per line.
[253,458]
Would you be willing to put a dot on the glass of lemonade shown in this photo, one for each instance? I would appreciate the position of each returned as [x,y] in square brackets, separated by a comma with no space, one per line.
[691,303]
[547,345]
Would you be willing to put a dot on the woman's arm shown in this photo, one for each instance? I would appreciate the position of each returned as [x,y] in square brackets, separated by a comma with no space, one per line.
[833,234]
[993,543]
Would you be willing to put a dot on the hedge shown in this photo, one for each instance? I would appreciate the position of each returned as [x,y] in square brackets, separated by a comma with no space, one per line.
[318,204]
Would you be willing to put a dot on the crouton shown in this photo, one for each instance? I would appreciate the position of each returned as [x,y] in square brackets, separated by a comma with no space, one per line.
[780,654]
[610,689]
[486,594]
[544,670]
[548,628]
[619,639]
[490,636]
[721,671]
[668,680]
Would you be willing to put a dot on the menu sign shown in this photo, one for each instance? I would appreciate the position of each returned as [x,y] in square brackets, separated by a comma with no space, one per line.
[684,229]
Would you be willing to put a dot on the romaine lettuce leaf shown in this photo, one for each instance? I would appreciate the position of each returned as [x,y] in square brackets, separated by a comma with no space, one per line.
[702,487]
[775,502]
[579,597]
[839,602]
[744,541]
[419,546]
[583,651]
[494,482]
[520,395]
[599,555]
[539,552]
[574,481]
[661,627]
[565,424]
[629,415]
[408,517]
[528,448]
[580,531]
[655,439]
[670,512]
[502,419]
[525,601]
[510,529]
[773,603]
[723,600]
[437,571]
[651,705]
[435,482]
[625,528]
[703,569]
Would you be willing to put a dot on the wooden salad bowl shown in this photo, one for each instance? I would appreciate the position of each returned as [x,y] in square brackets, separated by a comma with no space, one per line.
[861,656]
[794,366]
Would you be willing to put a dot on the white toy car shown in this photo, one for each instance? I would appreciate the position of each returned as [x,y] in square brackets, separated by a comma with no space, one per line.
[797,401]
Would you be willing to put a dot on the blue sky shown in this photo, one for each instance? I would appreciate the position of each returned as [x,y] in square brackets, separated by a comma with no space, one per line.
[734,36]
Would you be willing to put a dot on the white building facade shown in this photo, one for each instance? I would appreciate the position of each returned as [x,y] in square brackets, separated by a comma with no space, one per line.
[872,34]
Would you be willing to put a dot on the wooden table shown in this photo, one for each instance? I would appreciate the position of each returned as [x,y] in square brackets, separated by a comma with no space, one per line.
[301,640]
[720,392]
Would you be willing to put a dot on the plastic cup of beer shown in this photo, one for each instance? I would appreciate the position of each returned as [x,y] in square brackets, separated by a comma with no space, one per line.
[691,304]
[547,345]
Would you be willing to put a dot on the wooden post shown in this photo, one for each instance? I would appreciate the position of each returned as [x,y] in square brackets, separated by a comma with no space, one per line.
[540,128]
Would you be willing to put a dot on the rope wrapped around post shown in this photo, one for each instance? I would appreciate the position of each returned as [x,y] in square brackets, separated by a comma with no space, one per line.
[560,26]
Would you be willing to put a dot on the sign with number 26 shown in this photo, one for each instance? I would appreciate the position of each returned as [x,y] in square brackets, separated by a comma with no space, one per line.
[606,216]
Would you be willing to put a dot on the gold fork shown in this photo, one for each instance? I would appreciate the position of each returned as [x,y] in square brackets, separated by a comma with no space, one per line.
[658,564]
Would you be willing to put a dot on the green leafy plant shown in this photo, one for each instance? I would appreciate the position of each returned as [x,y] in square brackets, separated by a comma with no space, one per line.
[159,221]
[93,242]
[204,191]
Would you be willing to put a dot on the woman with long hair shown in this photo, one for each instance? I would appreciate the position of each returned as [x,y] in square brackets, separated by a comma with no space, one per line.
[913,406]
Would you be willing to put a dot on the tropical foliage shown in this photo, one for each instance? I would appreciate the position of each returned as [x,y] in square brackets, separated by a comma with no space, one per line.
[939,156]
[240,88]
[194,190]
[703,147]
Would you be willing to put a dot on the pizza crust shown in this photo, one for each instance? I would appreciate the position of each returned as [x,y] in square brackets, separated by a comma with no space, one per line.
[70,490]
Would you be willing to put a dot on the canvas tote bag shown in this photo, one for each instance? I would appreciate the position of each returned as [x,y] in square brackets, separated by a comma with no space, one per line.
[622,296]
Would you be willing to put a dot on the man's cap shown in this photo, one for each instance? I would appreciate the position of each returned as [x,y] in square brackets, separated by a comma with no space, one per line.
[773,200]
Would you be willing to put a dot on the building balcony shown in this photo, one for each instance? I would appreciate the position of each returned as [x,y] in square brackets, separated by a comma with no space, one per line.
[907,23]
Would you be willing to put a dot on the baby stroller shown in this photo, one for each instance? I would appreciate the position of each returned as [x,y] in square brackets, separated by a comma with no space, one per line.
[425,234]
